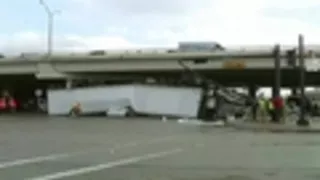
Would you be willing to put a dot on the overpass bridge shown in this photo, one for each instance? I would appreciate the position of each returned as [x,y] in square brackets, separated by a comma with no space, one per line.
[21,75]
[226,66]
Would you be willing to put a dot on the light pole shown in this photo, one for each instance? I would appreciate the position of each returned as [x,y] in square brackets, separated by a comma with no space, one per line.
[50,15]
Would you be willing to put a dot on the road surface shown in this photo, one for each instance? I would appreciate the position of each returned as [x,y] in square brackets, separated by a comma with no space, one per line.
[42,148]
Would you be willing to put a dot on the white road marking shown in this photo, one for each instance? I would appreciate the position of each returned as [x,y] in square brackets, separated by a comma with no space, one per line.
[108,165]
[53,157]
[20,162]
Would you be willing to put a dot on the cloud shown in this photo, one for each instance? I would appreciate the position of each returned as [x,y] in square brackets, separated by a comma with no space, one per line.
[143,7]
[31,42]
[164,7]
[127,23]
[227,21]
[291,4]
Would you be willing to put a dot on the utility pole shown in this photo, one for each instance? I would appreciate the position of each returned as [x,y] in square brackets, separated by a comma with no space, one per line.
[302,119]
[277,71]
[50,27]
[50,16]
[277,78]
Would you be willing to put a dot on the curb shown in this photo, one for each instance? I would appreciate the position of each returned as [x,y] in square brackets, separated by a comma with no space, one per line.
[200,123]
[280,129]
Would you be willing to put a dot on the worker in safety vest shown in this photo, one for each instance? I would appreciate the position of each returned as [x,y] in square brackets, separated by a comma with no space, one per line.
[285,111]
[270,108]
[262,110]
[210,105]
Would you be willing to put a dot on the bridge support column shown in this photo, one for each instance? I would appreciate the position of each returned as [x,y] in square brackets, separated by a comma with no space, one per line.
[277,80]
[302,119]
[253,95]
[294,91]
[277,73]
[69,84]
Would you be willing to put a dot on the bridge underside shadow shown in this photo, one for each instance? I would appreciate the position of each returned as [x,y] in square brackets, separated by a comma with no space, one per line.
[261,77]
[24,86]
[289,77]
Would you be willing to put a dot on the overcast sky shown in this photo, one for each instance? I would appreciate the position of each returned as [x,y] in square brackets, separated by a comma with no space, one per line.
[114,24]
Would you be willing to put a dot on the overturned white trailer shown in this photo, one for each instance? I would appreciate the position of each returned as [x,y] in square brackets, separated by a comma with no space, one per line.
[145,99]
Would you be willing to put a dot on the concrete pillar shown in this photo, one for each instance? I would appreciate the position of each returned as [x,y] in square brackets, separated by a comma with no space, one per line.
[202,111]
[253,91]
[69,84]
[292,62]
[253,95]
[277,72]
[162,80]
[302,119]
[294,91]
[277,80]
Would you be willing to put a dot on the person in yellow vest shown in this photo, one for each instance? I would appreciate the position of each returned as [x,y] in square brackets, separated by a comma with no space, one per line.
[262,110]
[271,109]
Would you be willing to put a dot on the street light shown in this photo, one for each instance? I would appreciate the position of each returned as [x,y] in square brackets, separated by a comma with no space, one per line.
[50,15]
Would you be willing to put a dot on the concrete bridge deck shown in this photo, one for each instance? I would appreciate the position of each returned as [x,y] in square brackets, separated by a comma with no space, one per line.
[59,65]
[254,67]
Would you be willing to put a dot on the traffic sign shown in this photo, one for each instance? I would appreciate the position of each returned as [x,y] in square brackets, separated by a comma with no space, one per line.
[234,64]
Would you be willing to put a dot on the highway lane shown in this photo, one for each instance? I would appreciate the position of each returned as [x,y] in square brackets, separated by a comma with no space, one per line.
[40,145]
[42,148]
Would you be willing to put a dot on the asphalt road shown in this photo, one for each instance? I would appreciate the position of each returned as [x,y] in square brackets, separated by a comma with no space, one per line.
[140,149]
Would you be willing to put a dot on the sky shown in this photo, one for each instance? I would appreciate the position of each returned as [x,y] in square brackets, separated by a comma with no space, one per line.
[84,25]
